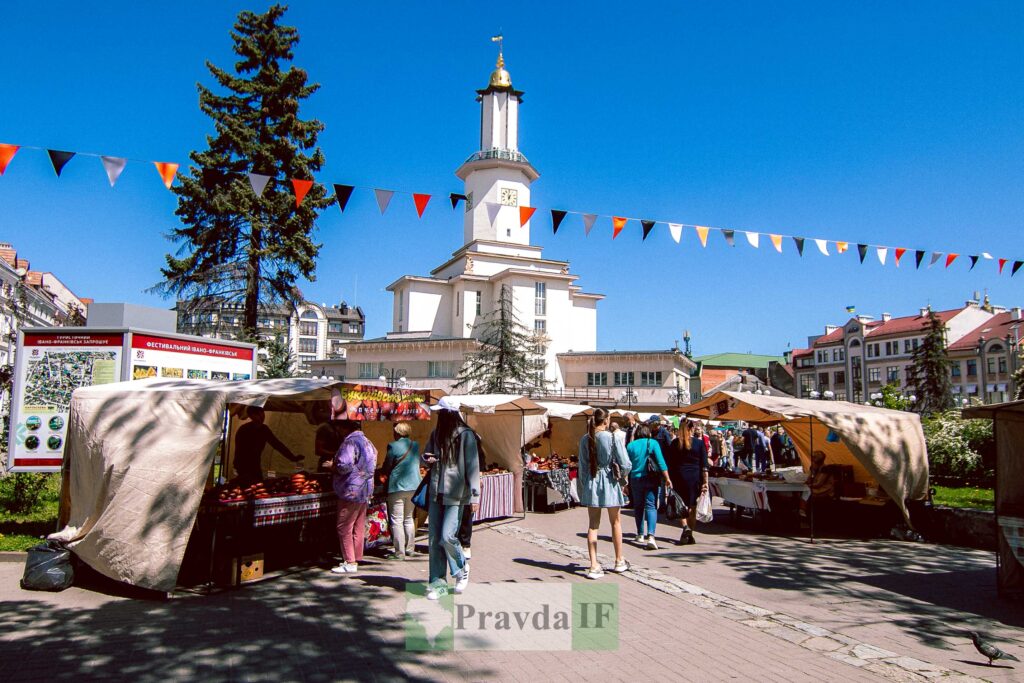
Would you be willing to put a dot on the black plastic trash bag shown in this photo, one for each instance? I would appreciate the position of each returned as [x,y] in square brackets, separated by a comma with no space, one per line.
[48,568]
[675,508]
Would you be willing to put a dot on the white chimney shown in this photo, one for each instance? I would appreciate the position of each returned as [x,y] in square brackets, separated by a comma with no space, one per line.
[886,317]
[1015,313]
[924,312]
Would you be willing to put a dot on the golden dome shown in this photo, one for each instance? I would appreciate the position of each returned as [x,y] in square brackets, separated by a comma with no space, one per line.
[499,77]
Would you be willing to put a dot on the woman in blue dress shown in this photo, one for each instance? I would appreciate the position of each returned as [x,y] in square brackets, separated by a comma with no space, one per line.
[600,489]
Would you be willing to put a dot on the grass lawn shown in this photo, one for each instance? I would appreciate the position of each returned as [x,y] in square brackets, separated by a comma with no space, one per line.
[22,531]
[965,497]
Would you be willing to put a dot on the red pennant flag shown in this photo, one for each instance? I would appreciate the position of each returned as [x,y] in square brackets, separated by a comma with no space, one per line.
[166,171]
[524,214]
[1002,262]
[421,202]
[618,224]
[7,153]
[302,187]
[950,258]
[899,254]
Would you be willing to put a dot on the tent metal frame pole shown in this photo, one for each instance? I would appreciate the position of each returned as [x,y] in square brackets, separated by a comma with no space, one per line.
[810,426]
[210,585]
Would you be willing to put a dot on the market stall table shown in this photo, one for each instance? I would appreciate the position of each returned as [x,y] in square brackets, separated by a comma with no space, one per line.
[752,494]
[497,496]
[558,481]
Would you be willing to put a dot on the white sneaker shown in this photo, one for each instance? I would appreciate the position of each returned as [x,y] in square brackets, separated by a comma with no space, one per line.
[462,583]
[345,568]
[467,553]
[595,573]
[651,543]
[621,567]
[437,591]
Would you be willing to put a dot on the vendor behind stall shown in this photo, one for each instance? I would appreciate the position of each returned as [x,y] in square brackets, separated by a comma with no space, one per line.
[250,440]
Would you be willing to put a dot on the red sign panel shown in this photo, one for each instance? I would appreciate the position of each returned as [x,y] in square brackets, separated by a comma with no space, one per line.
[73,339]
[151,343]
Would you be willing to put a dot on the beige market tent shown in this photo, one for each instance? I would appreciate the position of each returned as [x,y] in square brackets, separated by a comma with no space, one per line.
[1008,425]
[881,445]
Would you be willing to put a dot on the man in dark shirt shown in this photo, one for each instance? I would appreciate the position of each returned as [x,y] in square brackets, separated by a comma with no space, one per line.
[777,444]
[749,443]
[250,440]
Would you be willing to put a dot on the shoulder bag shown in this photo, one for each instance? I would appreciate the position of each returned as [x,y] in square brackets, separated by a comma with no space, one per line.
[614,468]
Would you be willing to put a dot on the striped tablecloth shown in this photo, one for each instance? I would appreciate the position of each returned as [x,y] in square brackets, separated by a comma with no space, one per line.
[1013,532]
[284,509]
[496,496]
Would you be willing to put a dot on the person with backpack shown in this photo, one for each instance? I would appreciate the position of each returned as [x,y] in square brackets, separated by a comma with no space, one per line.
[353,468]
[402,469]
[603,464]
[647,472]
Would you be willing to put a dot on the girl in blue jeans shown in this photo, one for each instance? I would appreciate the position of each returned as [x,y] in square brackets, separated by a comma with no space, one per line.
[644,488]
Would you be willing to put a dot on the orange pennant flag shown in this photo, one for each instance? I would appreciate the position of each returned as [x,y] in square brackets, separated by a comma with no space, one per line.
[702,233]
[166,171]
[842,246]
[776,242]
[950,258]
[7,153]
[900,251]
[421,202]
[618,223]
[524,214]
[301,188]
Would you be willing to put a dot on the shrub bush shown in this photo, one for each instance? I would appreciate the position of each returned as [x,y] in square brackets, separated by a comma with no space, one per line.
[24,492]
[957,447]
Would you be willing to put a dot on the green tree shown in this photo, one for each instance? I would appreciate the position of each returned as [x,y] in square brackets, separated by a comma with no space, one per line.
[929,369]
[510,359]
[234,245]
[893,398]
[279,361]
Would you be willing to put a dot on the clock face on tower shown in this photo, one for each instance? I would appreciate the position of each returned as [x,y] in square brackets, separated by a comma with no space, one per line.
[509,197]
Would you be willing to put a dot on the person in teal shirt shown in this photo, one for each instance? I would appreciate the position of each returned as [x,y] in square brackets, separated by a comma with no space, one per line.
[643,487]
[402,464]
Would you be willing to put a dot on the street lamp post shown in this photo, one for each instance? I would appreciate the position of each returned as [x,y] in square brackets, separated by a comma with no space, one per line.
[394,379]
[630,397]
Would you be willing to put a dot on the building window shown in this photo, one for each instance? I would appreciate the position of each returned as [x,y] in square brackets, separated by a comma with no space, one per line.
[972,368]
[954,369]
[309,315]
[441,368]
[540,298]
[806,384]
[353,328]
[307,329]
[822,356]
[307,346]
[892,373]
[650,379]
[1002,363]
[401,306]
[458,304]
[597,379]
[990,365]
[334,327]
[624,379]
[540,326]
[874,374]
[840,378]
[479,302]
[369,371]
[823,379]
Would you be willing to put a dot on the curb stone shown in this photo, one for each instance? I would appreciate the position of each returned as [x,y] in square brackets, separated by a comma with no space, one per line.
[847,650]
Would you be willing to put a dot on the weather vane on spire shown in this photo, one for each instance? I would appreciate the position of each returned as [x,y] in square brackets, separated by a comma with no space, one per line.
[499,40]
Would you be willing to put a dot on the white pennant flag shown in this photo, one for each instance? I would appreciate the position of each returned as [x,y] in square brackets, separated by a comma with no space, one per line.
[588,222]
[936,255]
[882,252]
[676,230]
[113,166]
[822,246]
[493,208]
[258,181]
[754,238]
[383,199]
[987,255]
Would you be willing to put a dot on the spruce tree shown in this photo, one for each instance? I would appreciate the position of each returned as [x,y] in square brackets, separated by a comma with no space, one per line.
[236,246]
[508,360]
[929,370]
[279,361]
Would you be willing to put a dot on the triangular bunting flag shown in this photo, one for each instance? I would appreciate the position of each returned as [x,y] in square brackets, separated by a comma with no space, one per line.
[556,219]
[936,255]
[166,171]
[342,193]
[1016,267]
[918,257]
[59,159]
[974,262]
[588,222]
[862,251]
[881,252]
[647,226]
[421,202]
[618,223]
[525,212]
[898,253]
[302,187]
[776,242]
[1002,262]
[950,258]
[822,246]
[799,241]
[986,255]
[383,199]
[676,230]
[841,247]
[702,233]
[7,153]
[730,237]
[493,209]
[456,198]
[114,166]
[754,238]
[258,182]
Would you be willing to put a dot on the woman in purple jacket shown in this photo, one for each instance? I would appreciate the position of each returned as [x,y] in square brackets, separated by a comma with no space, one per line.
[353,469]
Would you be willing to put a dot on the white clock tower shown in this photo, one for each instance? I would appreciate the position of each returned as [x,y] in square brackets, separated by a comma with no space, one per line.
[498,177]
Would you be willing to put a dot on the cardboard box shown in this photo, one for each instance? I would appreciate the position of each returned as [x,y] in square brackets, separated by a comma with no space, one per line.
[250,568]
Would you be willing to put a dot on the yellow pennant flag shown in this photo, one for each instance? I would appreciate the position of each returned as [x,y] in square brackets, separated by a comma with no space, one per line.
[702,233]
[842,246]
[776,242]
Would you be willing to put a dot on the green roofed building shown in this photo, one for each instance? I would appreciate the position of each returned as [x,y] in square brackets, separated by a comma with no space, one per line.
[717,369]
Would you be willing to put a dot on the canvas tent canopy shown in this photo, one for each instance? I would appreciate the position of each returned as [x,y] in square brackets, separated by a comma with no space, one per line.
[881,445]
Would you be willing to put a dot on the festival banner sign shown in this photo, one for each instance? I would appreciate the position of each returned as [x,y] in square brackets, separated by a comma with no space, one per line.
[370,403]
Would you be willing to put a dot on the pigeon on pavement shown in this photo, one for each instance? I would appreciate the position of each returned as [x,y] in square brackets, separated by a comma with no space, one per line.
[990,651]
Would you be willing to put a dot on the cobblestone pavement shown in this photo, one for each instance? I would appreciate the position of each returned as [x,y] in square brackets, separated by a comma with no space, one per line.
[309,624]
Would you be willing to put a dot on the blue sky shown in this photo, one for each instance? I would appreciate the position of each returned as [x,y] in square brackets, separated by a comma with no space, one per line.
[879,122]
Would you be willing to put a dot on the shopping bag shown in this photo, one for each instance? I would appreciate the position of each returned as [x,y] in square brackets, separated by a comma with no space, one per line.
[675,507]
[419,499]
[704,508]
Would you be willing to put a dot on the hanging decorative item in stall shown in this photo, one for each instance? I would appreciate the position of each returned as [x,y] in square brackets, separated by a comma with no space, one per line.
[372,403]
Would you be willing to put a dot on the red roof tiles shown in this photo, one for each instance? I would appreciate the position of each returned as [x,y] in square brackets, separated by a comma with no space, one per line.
[996,327]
